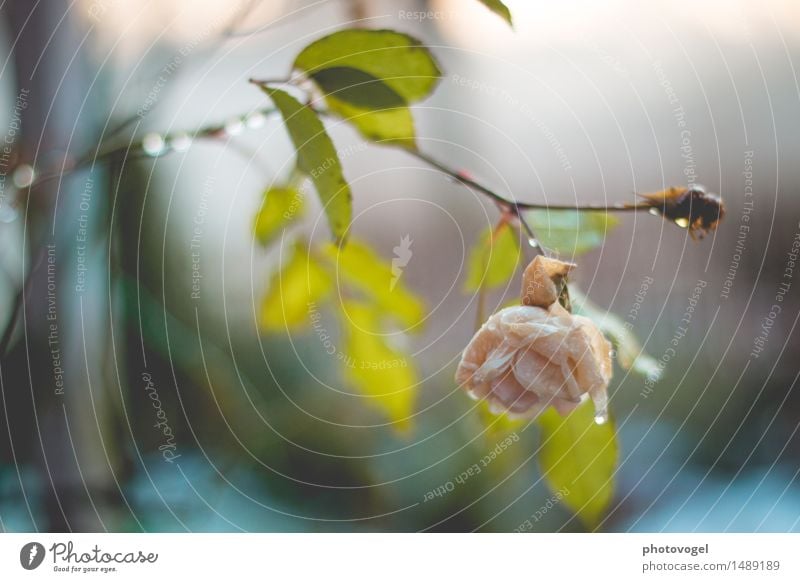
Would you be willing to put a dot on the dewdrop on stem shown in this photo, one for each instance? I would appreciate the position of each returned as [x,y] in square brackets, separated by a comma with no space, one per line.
[8,212]
[23,176]
[181,142]
[234,126]
[600,400]
[153,145]
[255,120]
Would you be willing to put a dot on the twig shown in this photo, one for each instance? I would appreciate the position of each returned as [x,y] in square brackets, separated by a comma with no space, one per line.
[16,307]
[263,82]
[94,155]
[517,207]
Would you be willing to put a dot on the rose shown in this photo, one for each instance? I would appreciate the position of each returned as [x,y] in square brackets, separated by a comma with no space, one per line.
[527,357]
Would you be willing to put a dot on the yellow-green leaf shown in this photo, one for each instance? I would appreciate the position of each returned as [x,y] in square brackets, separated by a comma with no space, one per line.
[397,59]
[282,206]
[629,352]
[386,127]
[380,281]
[571,232]
[317,158]
[369,104]
[579,457]
[385,376]
[293,290]
[498,8]
[493,259]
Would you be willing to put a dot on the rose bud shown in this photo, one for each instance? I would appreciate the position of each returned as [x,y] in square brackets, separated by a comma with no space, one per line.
[527,357]
[691,208]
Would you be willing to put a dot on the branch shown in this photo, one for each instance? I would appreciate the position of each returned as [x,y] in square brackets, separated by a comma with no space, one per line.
[517,207]
[514,207]
[219,130]
[94,156]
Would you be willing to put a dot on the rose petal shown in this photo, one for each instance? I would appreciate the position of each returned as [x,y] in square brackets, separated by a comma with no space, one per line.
[525,358]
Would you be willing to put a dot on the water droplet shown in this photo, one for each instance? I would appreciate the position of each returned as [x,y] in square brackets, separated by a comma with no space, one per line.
[600,408]
[654,211]
[180,142]
[8,212]
[234,126]
[255,120]
[153,144]
[682,222]
[23,176]
[533,243]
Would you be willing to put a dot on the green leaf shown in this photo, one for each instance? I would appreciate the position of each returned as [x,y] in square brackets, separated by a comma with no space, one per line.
[388,126]
[629,352]
[360,267]
[357,88]
[317,158]
[571,232]
[386,376]
[397,59]
[578,458]
[301,282]
[498,8]
[374,108]
[282,206]
[493,259]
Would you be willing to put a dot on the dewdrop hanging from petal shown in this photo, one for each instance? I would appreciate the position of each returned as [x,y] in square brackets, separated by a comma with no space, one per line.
[528,357]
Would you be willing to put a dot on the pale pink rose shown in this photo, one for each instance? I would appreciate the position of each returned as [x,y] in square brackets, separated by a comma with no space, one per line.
[528,357]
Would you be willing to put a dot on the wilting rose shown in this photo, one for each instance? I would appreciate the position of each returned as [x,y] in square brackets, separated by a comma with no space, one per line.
[528,357]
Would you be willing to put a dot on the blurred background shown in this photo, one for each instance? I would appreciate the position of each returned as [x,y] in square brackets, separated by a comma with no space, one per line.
[139,280]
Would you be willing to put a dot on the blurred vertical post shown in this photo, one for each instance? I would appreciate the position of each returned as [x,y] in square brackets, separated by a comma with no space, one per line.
[65,316]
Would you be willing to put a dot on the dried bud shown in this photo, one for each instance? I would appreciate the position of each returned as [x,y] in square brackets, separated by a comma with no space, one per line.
[544,280]
[691,208]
